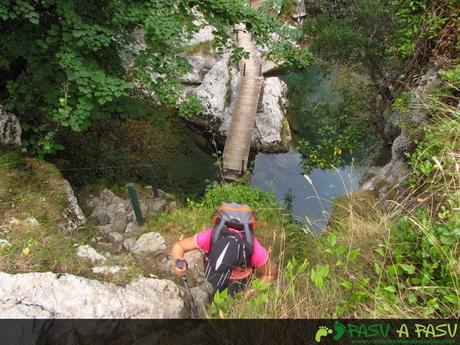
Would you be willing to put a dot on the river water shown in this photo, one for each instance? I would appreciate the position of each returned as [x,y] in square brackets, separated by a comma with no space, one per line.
[311,194]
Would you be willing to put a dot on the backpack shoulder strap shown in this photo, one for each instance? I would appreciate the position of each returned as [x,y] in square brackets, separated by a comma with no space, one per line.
[249,236]
[216,232]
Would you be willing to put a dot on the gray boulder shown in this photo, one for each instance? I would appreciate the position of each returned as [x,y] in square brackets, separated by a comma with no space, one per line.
[203,35]
[150,246]
[110,210]
[116,218]
[203,296]
[235,76]
[194,259]
[38,295]
[10,129]
[89,253]
[212,92]
[73,215]
[388,180]
[272,131]
[299,10]
[201,65]
[128,244]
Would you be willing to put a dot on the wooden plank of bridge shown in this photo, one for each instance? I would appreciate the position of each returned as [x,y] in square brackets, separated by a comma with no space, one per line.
[238,143]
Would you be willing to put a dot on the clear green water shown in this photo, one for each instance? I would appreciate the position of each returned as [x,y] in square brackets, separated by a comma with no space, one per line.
[310,195]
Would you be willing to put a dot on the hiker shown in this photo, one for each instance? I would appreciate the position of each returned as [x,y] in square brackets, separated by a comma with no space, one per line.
[232,252]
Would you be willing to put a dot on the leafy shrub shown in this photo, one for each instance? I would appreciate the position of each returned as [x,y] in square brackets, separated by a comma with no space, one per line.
[190,107]
[63,63]
[239,193]
[401,102]
[423,273]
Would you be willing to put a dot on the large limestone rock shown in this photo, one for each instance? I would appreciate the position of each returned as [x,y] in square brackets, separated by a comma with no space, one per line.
[271,129]
[213,90]
[49,295]
[109,209]
[116,220]
[10,129]
[233,84]
[203,296]
[201,65]
[388,180]
[217,91]
[195,262]
[203,35]
[149,246]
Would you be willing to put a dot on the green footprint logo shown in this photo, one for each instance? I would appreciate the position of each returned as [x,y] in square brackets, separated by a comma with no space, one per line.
[322,332]
[339,330]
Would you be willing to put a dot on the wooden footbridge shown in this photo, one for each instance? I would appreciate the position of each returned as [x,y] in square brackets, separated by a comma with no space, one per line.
[239,137]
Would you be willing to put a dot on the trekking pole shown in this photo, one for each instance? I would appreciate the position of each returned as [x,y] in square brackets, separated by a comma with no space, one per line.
[188,293]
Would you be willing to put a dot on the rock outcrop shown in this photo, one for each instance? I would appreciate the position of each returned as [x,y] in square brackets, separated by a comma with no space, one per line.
[117,227]
[272,131]
[201,65]
[150,247]
[49,295]
[215,82]
[388,180]
[212,92]
[10,129]
[205,34]
[299,10]
[73,215]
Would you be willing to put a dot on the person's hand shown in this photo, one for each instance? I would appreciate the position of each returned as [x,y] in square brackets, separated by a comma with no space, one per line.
[180,267]
[249,293]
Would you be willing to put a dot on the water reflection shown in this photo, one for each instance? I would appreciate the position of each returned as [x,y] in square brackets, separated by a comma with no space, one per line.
[311,195]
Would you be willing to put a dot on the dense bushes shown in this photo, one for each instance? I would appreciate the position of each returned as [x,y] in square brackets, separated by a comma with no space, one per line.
[64,64]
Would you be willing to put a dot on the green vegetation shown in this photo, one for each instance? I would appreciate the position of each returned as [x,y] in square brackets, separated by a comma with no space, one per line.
[400,258]
[354,32]
[384,41]
[64,64]
[112,153]
[196,216]
[31,189]
[355,36]
[329,112]
[61,69]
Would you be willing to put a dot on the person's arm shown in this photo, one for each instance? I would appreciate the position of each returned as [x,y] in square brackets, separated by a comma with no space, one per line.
[177,252]
[268,271]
